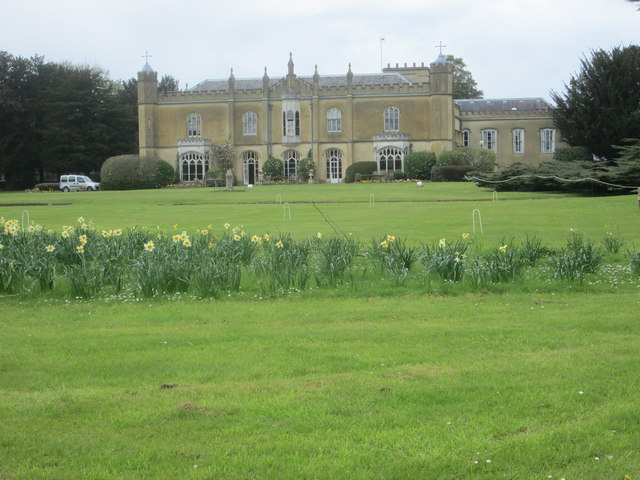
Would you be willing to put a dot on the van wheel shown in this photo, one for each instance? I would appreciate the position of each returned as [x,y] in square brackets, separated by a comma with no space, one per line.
[89,189]
[65,189]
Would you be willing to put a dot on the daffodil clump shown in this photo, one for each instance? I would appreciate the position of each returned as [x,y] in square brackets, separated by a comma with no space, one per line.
[83,261]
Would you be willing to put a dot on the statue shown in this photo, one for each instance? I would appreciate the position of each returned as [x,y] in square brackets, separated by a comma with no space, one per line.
[229,178]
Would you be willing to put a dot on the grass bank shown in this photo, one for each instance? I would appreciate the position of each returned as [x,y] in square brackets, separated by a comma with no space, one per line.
[477,386]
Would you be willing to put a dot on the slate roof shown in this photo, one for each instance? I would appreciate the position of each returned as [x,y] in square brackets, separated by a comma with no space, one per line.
[324,81]
[503,104]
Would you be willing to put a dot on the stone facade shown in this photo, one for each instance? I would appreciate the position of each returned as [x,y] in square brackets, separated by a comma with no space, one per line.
[337,120]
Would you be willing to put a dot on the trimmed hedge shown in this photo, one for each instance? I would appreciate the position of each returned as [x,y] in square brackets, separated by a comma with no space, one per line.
[480,159]
[418,165]
[131,172]
[363,168]
[452,173]
[573,154]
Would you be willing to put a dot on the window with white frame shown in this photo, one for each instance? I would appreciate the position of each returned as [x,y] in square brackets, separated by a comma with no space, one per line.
[518,140]
[194,125]
[291,159]
[391,119]
[547,140]
[390,159]
[334,120]
[333,157]
[249,123]
[465,138]
[490,140]
[193,166]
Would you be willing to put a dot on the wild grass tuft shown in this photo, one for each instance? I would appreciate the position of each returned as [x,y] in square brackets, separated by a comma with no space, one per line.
[333,258]
[579,258]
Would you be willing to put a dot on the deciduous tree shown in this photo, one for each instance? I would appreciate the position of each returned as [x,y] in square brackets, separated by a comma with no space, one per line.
[464,86]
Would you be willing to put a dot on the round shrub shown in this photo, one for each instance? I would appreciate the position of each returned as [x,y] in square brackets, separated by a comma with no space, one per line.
[484,160]
[274,168]
[132,172]
[363,168]
[219,175]
[418,165]
[459,156]
[305,168]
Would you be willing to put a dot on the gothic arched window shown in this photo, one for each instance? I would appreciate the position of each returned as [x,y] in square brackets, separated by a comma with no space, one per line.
[291,158]
[390,159]
[333,158]
[193,166]
[391,119]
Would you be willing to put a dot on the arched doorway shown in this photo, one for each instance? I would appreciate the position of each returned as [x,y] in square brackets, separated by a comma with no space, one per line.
[334,165]
[250,167]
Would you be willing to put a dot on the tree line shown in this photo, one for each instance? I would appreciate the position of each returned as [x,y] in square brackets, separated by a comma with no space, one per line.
[59,118]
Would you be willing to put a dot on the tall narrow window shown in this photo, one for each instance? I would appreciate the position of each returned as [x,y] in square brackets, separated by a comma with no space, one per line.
[249,123]
[291,158]
[465,138]
[194,125]
[391,119]
[334,164]
[547,140]
[490,140]
[334,120]
[518,140]
[291,123]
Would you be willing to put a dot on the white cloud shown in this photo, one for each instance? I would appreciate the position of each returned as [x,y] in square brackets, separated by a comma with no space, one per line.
[512,48]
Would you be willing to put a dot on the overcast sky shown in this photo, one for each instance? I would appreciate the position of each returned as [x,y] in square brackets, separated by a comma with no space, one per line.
[513,48]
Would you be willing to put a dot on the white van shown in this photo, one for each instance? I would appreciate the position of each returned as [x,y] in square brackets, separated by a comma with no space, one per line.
[78,183]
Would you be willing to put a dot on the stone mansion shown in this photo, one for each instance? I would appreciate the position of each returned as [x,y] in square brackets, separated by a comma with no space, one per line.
[336,119]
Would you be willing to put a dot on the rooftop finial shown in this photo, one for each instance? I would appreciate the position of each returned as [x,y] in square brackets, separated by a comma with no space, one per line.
[290,63]
[441,58]
[147,68]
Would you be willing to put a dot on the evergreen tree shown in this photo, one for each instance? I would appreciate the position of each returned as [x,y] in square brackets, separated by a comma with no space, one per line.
[601,105]
[168,84]
[61,118]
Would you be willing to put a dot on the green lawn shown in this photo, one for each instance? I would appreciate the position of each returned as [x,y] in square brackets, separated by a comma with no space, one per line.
[391,388]
[363,210]
[529,379]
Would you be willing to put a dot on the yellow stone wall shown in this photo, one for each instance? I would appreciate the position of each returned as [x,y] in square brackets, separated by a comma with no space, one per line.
[530,122]
[429,119]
